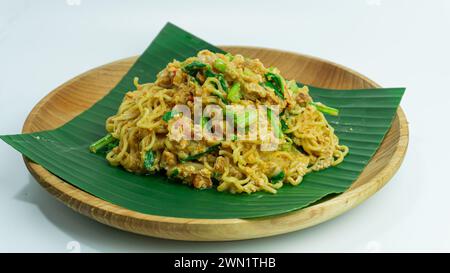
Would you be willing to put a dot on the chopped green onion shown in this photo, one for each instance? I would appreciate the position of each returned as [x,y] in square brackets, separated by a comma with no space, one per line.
[278,177]
[325,109]
[208,150]
[149,160]
[104,142]
[220,65]
[234,95]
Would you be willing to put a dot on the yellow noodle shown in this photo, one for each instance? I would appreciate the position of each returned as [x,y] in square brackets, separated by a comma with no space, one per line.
[238,165]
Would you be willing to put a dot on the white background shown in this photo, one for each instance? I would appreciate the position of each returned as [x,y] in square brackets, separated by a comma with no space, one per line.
[396,43]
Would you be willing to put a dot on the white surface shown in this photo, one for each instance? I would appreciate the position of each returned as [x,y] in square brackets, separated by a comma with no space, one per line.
[395,43]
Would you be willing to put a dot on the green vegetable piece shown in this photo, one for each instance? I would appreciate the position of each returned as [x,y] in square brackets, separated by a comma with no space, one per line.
[215,178]
[325,109]
[246,119]
[230,56]
[284,126]
[234,95]
[292,85]
[220,65]
[174,173]
[273,120]
[112,145]
[194,67]
[149,160]
[274,88]
[286,146]
[169,115]
[209,73]
[220,95]
[223,83]
[240,120]
[104,142]
[208,150]
[276,82]
[204,121]
[278,177]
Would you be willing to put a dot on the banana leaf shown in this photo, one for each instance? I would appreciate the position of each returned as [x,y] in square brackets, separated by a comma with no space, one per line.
[64,151]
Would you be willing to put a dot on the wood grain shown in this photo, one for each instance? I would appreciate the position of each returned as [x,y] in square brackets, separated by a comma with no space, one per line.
[78,94]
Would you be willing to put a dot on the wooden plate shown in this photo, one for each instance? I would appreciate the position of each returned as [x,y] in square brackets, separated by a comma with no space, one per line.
[78,94]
